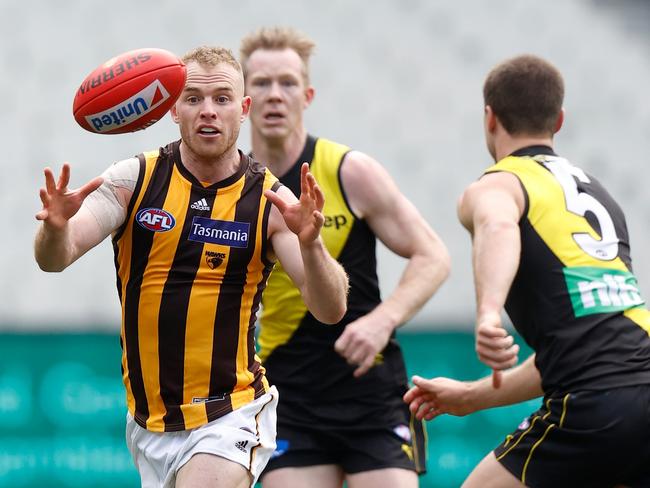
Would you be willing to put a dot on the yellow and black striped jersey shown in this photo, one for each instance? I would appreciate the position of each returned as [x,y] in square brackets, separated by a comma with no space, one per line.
[575,299]
[191,266]
[296,349]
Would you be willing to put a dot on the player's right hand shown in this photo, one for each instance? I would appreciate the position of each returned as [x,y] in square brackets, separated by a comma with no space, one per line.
[59,203]
[495,347]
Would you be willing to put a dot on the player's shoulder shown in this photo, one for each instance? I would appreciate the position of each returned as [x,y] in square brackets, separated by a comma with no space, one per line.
[490,182]
[324,142]
[359,169]
[124,169]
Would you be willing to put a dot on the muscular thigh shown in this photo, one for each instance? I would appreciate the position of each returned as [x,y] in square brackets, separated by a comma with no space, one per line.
[383,478]
[321,476]
[489,473]
[210,471]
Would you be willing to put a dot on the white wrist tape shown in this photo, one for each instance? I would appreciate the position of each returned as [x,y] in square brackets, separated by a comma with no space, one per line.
[109,202]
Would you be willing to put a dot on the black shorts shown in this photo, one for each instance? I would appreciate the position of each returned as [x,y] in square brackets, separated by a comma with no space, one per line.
[356,435]
[585,439]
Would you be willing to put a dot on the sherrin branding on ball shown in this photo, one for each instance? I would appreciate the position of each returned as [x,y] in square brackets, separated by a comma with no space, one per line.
[129,92]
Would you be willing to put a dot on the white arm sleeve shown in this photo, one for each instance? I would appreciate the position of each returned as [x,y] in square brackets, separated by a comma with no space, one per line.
[109,202]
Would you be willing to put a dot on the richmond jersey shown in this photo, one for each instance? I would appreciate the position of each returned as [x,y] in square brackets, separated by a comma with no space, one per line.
[297,350]
[191,267]
[575,299]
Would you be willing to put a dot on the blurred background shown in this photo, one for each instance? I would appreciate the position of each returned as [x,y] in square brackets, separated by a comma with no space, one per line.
[398,79]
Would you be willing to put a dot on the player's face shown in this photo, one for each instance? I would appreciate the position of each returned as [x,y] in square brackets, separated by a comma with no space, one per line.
[275,82]
[211,109]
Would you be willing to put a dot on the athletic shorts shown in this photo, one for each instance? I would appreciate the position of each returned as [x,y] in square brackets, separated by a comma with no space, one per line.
[356,436]
[587,439]
[245,436]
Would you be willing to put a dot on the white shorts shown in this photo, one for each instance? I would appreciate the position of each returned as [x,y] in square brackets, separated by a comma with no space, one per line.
[245,436]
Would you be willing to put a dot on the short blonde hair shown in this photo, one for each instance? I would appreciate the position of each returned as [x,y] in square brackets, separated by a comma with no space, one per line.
[277,39]
[212,56]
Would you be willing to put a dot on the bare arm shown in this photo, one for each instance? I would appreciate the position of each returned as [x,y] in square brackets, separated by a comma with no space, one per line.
[490,209]
[67,231]
[373,196]
[429,398]
[321,279]
[74,221]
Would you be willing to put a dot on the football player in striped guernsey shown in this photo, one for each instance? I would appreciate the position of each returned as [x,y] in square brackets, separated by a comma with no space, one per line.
[196,228]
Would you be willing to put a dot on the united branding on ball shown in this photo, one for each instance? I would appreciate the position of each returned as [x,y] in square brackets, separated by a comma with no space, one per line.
[130,110]
[129,92]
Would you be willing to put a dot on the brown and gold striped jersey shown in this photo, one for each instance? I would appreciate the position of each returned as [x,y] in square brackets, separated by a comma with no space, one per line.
[191,266]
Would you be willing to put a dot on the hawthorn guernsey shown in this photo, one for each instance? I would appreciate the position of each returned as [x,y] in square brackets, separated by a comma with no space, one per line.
[129,92]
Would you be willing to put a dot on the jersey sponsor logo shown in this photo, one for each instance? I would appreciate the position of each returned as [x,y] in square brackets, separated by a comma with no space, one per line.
[131,109]
[336,221]
[599,290]
[201,204]
[224,232]
[155,219]
[214,259]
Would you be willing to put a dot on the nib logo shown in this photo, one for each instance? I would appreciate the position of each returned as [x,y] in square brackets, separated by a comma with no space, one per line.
[129,110]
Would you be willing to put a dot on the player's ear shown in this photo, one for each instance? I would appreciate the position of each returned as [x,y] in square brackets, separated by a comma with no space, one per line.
[490,119]
[245,107]
[309,96]
[559,121]
[174,113]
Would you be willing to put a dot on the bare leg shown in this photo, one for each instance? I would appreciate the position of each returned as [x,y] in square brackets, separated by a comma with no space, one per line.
[384,478]
[210,471]
[489,473]
[321,476]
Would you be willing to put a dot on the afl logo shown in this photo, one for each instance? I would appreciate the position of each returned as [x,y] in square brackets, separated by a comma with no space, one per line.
[155,219]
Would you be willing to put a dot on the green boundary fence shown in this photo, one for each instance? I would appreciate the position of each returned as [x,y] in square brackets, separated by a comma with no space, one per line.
[62,407]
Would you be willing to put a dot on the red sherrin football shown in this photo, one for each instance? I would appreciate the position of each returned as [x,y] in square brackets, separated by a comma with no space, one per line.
[129,92]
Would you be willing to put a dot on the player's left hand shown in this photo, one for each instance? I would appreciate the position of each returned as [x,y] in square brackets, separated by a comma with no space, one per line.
[428,398]
[361,341]
[305,218]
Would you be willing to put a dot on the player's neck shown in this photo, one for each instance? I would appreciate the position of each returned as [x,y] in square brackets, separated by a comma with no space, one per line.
[278,155]
[507,144]
[211,170]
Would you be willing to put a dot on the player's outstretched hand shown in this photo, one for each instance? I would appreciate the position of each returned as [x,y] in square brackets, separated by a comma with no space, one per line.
[429,398]
[495,347]
[304,218]
[59,203]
